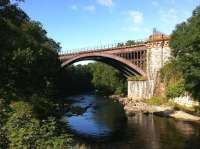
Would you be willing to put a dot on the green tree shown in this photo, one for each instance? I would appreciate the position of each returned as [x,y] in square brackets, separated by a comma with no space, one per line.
[29,70]
[28,58]
[75,80]
[107,79]
[185,42]
[83,78]
[131,42]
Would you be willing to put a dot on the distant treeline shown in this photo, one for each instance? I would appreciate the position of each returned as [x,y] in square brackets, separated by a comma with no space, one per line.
[93,76]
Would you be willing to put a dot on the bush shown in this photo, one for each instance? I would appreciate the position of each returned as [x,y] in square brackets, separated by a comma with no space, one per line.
[156,100]
[42,107]
[3,111]
[175,90]
[3,139]
[3,116]
[24,130]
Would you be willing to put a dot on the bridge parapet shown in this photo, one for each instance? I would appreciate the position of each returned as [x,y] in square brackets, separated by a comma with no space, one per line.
[102,48]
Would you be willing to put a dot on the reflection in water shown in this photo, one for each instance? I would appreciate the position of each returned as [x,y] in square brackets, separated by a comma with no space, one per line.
[106,119]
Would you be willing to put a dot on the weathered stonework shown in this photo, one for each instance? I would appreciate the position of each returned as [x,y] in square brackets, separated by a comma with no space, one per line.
[157,56]
[140,89]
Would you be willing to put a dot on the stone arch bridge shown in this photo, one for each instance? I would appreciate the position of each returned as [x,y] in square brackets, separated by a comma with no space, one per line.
[144,58]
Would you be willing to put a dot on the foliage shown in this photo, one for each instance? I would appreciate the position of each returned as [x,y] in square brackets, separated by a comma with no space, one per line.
[24,130]
[99,76]
[3,139]
[157,100]
[172,77]
[29,70]
[170,73]
[42,107]
[175,90]
[185,42]
[4,109]
[28,58]
[137,78]
[132,42]
[22,127]
[75,79]
[106,79]
[129,43]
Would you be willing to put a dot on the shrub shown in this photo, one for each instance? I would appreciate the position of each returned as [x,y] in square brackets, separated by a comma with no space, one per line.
[3,116]
[3,111]
[24,130]
[42,107]
[175,90]
[156,100]
[3,139]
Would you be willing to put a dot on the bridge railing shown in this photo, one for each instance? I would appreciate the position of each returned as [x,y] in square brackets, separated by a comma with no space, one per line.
[102,48]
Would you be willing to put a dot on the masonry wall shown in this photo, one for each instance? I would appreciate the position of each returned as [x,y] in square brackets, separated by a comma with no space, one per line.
[156,58]
[140,90]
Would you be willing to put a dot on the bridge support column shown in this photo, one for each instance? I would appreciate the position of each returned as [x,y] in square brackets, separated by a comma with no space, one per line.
[140,89]
[158,53]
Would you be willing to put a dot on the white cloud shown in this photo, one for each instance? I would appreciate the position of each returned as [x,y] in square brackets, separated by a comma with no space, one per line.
[107,3]
[134,22]
[74,7]
[90,8]
[136,16]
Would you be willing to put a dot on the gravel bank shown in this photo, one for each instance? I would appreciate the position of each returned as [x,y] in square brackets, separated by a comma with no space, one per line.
[132,107]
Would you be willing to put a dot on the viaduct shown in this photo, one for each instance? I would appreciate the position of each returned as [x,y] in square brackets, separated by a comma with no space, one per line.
[142,59]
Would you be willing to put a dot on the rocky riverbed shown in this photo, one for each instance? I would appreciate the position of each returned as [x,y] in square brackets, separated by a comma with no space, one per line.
[134,106]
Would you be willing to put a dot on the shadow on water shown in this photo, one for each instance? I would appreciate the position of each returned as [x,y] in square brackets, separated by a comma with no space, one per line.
[103,125]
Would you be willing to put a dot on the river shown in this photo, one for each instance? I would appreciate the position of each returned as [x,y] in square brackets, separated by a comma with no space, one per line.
[102,124]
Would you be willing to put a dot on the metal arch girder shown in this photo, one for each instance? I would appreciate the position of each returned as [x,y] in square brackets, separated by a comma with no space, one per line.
[117,62]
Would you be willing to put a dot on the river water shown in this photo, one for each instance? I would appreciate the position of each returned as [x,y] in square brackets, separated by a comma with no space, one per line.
[101,124]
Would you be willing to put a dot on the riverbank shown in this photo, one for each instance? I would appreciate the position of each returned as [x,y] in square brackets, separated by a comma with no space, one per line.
[132,107]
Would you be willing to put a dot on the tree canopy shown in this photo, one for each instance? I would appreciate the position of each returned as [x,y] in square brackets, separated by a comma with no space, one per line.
[29,72]
[185,42]
[28,58]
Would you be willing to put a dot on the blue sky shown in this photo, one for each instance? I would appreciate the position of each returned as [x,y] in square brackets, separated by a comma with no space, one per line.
[88,23]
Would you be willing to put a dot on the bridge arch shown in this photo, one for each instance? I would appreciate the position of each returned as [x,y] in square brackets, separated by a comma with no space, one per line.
[126,67]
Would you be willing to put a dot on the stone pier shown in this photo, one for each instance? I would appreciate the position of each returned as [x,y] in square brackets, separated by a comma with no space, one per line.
[158,53]
[140,89]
